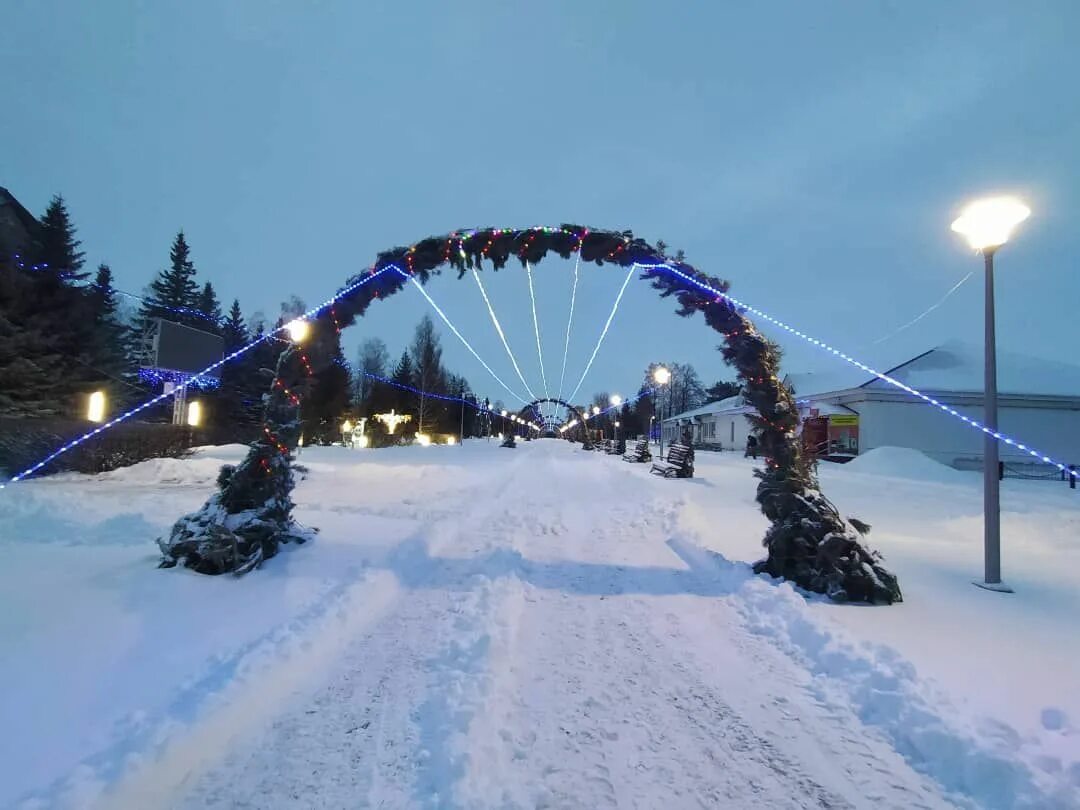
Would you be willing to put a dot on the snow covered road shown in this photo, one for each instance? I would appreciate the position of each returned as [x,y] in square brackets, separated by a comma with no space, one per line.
[541,627]
[548,652]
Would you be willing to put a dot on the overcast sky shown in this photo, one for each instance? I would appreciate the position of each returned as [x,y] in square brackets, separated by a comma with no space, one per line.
[811,153]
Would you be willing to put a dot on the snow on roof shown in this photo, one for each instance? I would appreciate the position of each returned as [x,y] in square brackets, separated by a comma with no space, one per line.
[729,404]
[957,366]
[952,366]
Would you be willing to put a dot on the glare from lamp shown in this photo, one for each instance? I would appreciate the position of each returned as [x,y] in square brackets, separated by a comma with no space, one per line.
[346,426]
[423,439]
[194,414]
[615,400]
[596,410]
[451,440]
[298,330]
[988,223]
[661,375]
[361,441]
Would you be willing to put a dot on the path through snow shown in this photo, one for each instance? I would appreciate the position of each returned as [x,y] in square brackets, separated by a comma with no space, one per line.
[550,648]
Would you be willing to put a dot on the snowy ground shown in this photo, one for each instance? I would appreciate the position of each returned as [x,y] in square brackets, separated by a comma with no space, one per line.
[541,627]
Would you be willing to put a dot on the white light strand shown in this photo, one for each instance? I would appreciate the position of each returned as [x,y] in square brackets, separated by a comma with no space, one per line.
[569,321]
[464,342]
[930,309]
[603,334]
[973,423]
[502,336]
[536,326]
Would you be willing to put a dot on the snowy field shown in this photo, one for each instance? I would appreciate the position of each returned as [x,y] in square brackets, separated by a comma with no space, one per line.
[478,627]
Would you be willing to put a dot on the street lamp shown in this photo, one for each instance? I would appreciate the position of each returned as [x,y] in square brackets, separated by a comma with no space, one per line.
[987,224]
[298,330]
[95,407]
[661,376]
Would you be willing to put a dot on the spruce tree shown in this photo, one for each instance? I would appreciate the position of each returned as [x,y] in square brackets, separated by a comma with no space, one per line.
[233,328]
[174,293]
[109,350]
[58,249]
[33,380]
[57,316]
[242,386]
[404,374]
[209,310]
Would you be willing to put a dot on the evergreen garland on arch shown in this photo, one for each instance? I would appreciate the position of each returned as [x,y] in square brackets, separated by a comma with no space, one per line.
[808,542]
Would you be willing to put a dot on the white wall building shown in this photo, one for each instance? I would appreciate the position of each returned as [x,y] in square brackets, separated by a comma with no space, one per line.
[850,412]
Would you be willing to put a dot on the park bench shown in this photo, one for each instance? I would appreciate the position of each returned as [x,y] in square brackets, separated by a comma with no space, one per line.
[612,447]
[679,463]
[640,452]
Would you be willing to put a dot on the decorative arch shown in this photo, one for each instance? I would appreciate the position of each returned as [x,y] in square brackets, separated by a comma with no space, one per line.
[807,542]
[577,414]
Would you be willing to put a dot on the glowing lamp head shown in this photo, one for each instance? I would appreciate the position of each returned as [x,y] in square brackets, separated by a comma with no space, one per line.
[987,224]
[299,330]
[346,426]
[615,400]
[661,376]
[503,413]
[596,410]
[95,408]
[451,440]
[194,414]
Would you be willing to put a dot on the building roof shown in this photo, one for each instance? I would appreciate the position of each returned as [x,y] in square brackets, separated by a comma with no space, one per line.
[953,366]
[733,404]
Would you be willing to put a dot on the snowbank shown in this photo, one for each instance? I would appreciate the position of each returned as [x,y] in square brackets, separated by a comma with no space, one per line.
[903,462]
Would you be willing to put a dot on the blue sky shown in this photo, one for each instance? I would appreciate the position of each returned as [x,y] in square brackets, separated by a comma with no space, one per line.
[811,153]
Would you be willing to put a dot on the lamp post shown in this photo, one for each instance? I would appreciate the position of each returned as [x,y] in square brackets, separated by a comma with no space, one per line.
[615,401]
[661,376]
[987,225]
[461,434]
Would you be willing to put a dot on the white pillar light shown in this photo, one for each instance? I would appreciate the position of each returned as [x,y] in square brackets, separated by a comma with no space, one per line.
[95,407]
[194,414]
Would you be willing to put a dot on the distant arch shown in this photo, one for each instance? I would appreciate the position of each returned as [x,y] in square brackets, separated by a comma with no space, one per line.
[579,428]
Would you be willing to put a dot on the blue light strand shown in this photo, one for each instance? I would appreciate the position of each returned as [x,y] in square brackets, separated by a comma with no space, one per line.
[569,322]
[414,390]
[149,301]
[167,394]
[453,329]
[502,336]
[603,334]
[973,423]
[536,326]
[153,376]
